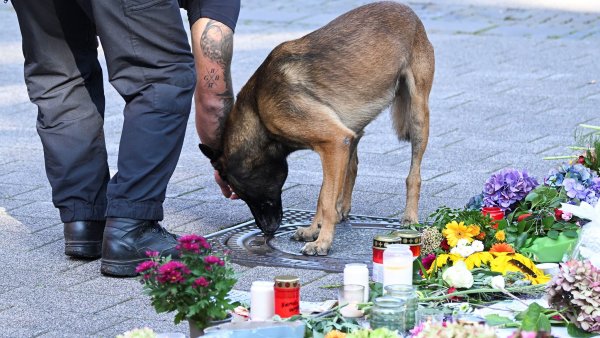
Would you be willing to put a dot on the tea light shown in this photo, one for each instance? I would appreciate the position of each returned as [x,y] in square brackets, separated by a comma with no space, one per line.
[262,301]
[350,295]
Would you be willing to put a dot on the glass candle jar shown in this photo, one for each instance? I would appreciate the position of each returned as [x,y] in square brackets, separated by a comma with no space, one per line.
[397,265]
[388,312]
[408,294]
[349,296]
[358,273]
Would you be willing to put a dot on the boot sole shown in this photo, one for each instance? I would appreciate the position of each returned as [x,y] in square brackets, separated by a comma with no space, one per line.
[87,250]
[120,268]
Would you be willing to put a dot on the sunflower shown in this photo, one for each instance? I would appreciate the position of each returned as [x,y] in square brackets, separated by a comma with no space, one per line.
[478,258]
[442,260]
[455,231]
[502,247]
[500,235]
[506,262]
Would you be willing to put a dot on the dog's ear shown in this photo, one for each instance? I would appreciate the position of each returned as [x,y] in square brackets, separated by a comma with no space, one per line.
[209,152]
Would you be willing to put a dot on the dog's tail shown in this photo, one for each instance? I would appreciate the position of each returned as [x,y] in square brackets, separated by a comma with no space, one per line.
[401,106]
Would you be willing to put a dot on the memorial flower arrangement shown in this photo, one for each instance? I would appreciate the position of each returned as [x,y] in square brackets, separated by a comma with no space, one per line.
[195,286]
[452,330]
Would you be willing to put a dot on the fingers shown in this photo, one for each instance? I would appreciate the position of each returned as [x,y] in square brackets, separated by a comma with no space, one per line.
[225,188]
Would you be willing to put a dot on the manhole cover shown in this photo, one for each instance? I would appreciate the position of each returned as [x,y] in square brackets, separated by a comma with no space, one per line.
[352,242]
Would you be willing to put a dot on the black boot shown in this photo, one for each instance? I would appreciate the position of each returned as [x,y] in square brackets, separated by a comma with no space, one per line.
[83,239]
[126,242]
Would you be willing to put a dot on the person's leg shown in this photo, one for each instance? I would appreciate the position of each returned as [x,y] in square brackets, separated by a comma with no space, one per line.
[150,65]
[64,80]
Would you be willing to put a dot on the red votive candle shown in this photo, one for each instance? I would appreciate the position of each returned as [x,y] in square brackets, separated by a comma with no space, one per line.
[287,296]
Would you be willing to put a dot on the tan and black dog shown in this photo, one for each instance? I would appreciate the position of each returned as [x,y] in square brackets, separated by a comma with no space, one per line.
[319,92]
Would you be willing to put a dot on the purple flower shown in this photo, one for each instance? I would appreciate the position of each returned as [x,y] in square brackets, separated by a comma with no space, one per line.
[172,272]
[213,260]
[192,243]
[200,282]
[145,266]
[507,187]
[151,253]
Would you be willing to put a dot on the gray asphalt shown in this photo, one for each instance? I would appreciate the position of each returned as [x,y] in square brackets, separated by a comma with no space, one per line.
[511,85]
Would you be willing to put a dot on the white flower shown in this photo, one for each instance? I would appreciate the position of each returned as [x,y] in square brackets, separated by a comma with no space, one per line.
[458,276]
[464,251]
[498,282]
[462,242]
[477,246]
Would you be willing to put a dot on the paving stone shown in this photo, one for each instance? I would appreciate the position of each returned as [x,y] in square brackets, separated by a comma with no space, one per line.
[268,273]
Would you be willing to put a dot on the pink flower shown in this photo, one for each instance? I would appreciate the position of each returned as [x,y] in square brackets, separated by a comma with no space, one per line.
[428,260]
[566,216]
[145,266]
[172,272]
[192,243]
[528,334]
[213,260]
[151,253]
[201,281]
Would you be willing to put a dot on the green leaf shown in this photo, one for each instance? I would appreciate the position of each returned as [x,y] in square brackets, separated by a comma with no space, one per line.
[543,324]
[521,240]
[557,226]
[553,234]
[570,233]
[495,320]
[574,331]
[531,197]
[548,222]
[531,317]
[502,224]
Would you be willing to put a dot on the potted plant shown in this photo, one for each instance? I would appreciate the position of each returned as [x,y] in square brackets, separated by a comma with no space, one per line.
[195,286]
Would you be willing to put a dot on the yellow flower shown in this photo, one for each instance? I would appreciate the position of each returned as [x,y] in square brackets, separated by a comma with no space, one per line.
[500,235]
[455,231]
[505,262]
[442,260]
[477,259]
[335,334]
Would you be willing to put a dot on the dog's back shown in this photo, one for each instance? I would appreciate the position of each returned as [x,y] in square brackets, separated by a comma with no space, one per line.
[356,65]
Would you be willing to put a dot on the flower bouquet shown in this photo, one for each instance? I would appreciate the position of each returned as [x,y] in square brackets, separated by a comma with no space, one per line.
[195,286]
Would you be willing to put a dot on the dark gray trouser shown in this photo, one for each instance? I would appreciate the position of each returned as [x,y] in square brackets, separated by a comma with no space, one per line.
[149,64]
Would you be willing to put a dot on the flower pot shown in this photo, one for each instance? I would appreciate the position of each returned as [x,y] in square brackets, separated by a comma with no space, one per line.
[195,331]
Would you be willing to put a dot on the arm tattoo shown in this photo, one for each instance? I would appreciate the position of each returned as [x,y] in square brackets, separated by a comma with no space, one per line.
[217,45]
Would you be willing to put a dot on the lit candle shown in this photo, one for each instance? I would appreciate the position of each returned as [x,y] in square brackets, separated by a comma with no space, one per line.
[351,310]
[397,265]
[262,301]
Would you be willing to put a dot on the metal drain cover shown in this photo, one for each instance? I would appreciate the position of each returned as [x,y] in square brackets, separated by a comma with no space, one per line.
[352,242]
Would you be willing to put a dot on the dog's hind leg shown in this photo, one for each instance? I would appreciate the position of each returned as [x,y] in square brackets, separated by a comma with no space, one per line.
[411,116]
[346,201]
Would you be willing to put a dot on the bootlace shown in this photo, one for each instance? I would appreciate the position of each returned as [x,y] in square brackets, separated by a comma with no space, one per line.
[157,228]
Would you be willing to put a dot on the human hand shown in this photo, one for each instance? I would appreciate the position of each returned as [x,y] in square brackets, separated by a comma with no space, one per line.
[225,188]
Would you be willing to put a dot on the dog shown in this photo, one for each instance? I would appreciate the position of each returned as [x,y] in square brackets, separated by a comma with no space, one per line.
[319,92]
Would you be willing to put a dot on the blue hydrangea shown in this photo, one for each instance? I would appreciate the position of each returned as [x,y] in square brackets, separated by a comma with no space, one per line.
[579,182]
[507,187]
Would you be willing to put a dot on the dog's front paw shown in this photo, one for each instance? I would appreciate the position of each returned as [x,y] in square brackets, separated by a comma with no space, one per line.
[409,220]
[316,249]
[306,234]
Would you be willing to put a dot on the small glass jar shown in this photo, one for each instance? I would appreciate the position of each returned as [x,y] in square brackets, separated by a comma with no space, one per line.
[388,312]
[408,294]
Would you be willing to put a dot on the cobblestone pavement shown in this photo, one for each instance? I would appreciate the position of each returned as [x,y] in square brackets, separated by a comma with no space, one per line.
[511,85]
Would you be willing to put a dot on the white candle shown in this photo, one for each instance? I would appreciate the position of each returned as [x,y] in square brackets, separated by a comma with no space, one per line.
[397,265]
[262,301]
[357,273]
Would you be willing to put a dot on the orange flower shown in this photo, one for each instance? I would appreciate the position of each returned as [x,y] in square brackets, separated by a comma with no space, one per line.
[481,236]
[502,247]
[335,334]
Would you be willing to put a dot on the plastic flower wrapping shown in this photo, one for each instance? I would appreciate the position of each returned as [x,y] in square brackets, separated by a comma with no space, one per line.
[507,187]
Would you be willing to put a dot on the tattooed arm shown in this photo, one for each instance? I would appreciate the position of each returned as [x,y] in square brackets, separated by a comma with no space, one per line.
[212,44]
